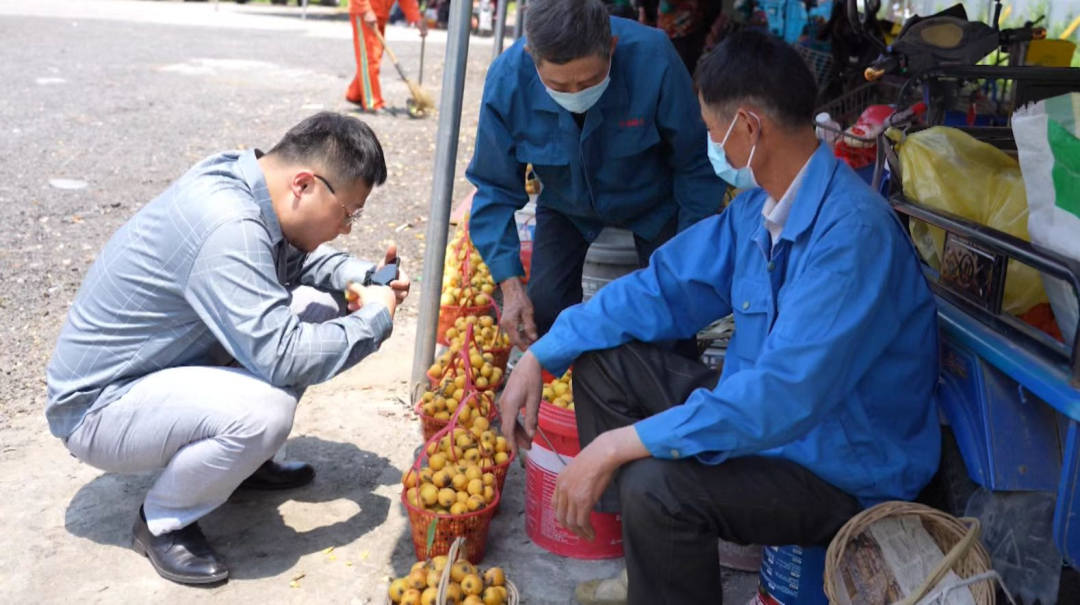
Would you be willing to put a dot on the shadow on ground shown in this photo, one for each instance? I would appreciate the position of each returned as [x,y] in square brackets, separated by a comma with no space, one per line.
[249,530]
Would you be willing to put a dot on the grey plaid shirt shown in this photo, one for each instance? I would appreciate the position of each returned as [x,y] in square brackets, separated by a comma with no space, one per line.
[199,276]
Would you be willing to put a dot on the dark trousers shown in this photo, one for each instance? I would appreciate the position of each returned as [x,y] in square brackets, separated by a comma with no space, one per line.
[558,258]
[673,511]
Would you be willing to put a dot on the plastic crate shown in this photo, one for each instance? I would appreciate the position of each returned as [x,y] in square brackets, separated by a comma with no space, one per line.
[819,61]
[847,108]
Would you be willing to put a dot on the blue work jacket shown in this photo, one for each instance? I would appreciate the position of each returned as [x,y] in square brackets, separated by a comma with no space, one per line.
[639,160]
[834,358]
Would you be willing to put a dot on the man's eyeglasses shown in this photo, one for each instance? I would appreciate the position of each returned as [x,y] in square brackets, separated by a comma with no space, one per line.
[350,217]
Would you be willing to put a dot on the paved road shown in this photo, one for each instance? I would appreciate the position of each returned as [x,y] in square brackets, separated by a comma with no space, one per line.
[125,96]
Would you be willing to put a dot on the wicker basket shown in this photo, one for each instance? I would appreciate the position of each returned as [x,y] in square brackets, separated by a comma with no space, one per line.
[513,597]
[957,538]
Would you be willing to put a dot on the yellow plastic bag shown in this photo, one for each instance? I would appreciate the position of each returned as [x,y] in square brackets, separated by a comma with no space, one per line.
[946,169]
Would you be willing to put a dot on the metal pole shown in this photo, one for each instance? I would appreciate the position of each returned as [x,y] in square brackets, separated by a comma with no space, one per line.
[303,15]
[519,19]
[442,187]
[500,29]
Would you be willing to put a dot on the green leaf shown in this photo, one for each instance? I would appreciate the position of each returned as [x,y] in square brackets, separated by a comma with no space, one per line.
[431,535]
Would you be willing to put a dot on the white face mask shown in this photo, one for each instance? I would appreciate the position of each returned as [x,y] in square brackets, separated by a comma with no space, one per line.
[582,100]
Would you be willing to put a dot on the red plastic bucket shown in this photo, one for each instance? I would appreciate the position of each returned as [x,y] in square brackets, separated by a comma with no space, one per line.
[542,468]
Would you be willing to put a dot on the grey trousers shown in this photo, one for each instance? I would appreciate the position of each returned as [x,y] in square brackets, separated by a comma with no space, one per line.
[207,428]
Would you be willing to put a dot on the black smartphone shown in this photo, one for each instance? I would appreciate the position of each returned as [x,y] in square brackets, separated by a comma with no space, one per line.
[383,276]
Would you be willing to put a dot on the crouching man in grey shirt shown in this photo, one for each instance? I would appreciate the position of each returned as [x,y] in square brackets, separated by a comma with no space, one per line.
[206,316]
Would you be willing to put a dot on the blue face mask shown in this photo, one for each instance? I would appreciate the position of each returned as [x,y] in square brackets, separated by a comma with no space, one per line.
[740,178]
[582,100]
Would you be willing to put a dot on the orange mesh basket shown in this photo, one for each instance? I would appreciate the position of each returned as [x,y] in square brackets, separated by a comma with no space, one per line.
[430,426]
[500,470]
[434,533]
[448,314]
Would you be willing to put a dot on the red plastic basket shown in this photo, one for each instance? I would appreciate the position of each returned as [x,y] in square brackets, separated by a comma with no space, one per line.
[471,526]
[501,354]
[434,382]
[502,359]
[450,314]
[430,426]
[434,533]
[500,470]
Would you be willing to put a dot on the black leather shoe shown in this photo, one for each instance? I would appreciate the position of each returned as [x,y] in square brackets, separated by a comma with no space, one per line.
[183,556]
[283,475]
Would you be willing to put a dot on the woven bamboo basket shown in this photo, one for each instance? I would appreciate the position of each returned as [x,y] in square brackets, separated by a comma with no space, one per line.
[457,550]
[957,538]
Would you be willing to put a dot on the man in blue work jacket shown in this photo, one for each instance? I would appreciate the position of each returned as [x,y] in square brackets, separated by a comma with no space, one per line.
[605,111]
[825,402]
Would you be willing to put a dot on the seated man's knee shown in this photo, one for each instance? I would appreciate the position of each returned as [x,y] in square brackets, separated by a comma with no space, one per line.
[642,488]
[593,364]
[586,366]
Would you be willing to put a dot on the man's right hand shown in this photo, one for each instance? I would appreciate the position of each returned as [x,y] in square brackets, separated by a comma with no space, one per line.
[517,315]
[366,295]
[371,20]
[523,391]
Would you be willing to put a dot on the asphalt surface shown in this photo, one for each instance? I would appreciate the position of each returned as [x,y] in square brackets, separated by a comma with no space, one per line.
[115,97]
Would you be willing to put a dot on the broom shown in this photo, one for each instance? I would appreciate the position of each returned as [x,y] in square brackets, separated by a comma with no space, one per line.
[421,97]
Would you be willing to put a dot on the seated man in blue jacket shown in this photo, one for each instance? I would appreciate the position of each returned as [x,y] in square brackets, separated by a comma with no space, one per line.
[825,402]
[604,110]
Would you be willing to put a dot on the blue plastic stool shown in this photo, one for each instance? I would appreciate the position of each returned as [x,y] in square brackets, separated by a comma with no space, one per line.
[794,575]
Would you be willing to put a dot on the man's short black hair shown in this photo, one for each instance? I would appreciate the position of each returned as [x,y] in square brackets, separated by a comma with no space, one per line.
[342,145]
[759,69]
[560,31]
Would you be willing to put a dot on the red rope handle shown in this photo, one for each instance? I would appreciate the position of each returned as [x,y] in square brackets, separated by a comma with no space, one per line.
[465,357]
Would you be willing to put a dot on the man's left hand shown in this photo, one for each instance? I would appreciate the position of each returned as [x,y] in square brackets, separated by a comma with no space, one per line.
[584,480]
[422,26]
